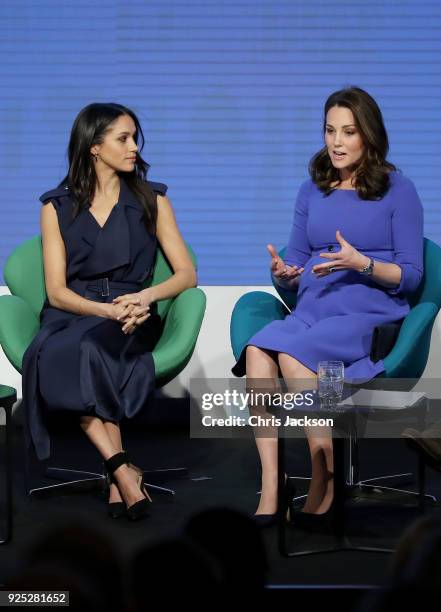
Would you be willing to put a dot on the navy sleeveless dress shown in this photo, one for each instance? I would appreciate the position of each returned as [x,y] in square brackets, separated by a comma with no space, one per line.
[86,364]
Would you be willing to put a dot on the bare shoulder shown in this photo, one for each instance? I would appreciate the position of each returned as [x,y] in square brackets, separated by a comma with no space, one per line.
[48,211]
[165,207]
[49,220]
[164,201]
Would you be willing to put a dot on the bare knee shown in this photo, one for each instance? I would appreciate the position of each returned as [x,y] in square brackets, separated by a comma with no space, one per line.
[85,422]
[288,363]
[292,368]
[260,363]
[253,355]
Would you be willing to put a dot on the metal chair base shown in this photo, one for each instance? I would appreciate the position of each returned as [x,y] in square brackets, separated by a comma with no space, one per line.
[381,493]
[377,492]
[160,474]
[343,543]
[74,481]
[78,481]
[342,490]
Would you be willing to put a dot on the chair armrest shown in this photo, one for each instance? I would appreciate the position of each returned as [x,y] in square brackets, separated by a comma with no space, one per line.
[383,340]
[178,338]
[409,356]
[18,326]
[289,296]
[251,313]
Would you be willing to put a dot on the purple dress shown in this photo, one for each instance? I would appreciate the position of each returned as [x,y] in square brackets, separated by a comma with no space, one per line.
[335,315]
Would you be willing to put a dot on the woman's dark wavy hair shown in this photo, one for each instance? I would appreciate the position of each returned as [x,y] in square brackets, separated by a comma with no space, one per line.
[372,173]
[89,128]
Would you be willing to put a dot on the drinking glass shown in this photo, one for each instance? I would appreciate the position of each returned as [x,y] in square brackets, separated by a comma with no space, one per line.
[330,382]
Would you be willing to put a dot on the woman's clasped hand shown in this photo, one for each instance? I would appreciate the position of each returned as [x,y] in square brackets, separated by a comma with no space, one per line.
[131,310]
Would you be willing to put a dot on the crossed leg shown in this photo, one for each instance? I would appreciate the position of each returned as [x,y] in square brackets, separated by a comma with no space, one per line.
[106,437]
[321,489]
[264,365]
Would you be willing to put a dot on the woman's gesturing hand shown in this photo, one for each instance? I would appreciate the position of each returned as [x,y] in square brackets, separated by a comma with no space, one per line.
[279,269]
[348,258]
[133,309]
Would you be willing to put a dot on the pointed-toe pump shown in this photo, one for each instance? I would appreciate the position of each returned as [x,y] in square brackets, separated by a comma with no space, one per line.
[263,521]
[285,512]
[321,523]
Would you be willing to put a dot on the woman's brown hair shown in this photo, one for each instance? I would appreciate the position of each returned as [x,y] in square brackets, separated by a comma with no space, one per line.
[371,178]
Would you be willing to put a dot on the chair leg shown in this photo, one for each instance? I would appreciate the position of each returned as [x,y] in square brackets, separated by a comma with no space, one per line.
[7,406]
[304,480]
[66,474]
[421,484]
[374,487]
[81,481]
[160,475]
[381,492]
[353,459]
[74,483]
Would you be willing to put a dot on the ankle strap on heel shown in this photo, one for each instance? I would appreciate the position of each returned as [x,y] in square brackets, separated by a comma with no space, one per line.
[116,461]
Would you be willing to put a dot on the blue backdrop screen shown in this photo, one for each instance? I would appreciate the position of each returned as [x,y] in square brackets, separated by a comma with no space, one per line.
[230,96]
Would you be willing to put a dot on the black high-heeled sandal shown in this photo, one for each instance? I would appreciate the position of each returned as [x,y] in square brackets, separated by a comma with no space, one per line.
[139,509]
[263,521]
[114,509]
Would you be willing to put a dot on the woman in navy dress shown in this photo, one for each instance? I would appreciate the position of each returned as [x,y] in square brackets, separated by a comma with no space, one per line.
[92,356]
[355,251]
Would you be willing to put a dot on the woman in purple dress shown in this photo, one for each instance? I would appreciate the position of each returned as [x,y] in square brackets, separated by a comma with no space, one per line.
[355,251]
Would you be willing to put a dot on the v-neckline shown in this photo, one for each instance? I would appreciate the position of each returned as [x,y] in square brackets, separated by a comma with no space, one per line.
[108,216]
[111,210]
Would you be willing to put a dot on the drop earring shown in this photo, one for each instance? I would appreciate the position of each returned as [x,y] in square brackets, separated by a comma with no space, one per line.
[95,156]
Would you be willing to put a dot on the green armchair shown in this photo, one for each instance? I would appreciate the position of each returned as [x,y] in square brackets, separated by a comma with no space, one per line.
[19,322]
